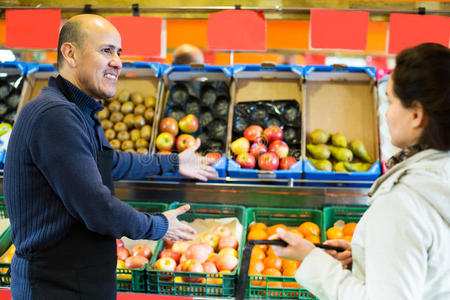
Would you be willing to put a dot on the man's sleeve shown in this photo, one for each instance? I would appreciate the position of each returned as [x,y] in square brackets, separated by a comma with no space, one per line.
[62,150]
[127,165]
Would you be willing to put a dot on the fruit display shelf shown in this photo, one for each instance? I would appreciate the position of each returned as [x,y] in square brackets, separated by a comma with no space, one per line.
[194,103]
[340,99]
[133,280]
[5,243]
[12,75]
[348,214]
[266,112]
[212,284]
[279,287]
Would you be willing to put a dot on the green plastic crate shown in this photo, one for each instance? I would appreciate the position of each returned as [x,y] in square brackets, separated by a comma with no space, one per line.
[157,282]
[133,280]
[346,213]
[5,243]
[291,217]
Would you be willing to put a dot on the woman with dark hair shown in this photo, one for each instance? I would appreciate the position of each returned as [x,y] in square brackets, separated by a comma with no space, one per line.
[401,245]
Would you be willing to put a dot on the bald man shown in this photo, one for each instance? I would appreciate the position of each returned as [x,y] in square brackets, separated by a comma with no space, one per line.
[186,54]
[59,171]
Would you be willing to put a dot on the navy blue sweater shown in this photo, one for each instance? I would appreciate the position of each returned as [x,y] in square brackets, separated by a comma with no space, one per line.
[51,178]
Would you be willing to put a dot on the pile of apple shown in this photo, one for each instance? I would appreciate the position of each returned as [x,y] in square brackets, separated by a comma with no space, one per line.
[252,150]
[134,259]
[169,140]
[215,252]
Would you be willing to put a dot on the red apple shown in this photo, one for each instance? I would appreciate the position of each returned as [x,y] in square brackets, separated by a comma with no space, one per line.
[273,133]
[228,241]
[165,264]
[197,252]
[170,253]
[241,145]
[268,161]
[287,162]
[119,243]
[226,262]
[180,246]
[122,253]
[213,156]
[253,133]
[169,125]
[280,148]
[185,141]
[209,267]
[188,124]
[246,160]
[193,266]
[258,148]
[222,230]
[165,141]
[142,250]
[134,262]
[210,238]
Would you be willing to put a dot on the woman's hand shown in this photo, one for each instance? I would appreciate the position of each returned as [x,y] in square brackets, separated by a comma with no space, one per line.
[298,248]
[344,257]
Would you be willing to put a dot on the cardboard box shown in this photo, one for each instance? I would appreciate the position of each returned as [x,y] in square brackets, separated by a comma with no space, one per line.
[266,82]
[341,99]
[195,77]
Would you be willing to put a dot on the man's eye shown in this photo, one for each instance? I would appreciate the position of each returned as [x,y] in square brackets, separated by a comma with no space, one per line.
[106,50]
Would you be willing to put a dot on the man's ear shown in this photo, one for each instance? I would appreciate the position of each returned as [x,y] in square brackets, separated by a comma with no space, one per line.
[419,117]
[68,52]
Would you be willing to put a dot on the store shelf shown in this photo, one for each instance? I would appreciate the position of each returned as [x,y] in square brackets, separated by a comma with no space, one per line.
[260,195]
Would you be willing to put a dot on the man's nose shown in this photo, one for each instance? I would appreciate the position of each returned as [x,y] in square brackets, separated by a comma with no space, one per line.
[116,62]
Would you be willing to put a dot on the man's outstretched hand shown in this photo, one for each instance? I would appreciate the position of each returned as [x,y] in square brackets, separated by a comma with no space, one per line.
[192,165]
[177,230]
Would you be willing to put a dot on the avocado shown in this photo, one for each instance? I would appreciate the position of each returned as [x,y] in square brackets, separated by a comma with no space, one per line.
[220,108]
[192,107]
[218,129]
[206,118]
[179,94]
[208,96]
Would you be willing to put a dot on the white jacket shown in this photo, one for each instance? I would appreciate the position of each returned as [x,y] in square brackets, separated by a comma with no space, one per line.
[401,245]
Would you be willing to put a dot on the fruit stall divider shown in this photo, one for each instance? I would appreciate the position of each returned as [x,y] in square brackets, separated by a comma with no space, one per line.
[265,82]
[138,76]
[341,99]
[189,73]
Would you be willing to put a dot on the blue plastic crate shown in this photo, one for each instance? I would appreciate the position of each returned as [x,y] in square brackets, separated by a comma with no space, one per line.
[187,73]
[294,172]
[311,173]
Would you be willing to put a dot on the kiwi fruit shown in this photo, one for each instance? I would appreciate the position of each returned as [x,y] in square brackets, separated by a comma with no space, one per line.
[141,143]
[142,151]
[149,114]
[139,121]
[103,114]
[110,134]
[137,98]
[123,136]
[129,120]
[208,96]
[120,126]
[123,96]
[135,134]
[179,94]
[116,117]
[127,145]
[176,114]
[220,108]
[107,124]
[146,132]
[206,118]
[115,144]
[114,106]
[13,100]
[139,109]
[127,107]
[192,107]
[3,109]
[150,101]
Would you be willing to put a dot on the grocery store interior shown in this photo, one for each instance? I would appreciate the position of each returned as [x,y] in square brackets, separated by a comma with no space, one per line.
[287,97]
